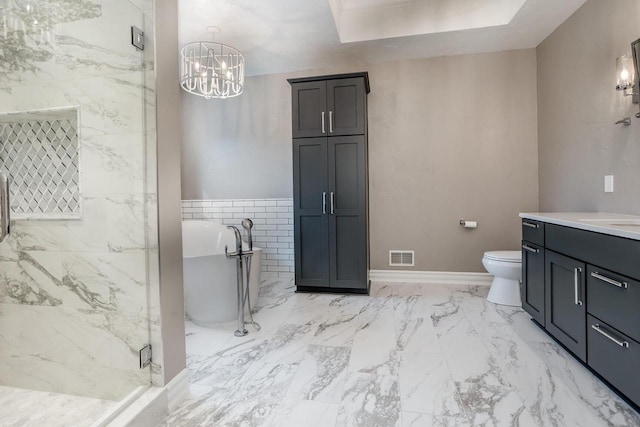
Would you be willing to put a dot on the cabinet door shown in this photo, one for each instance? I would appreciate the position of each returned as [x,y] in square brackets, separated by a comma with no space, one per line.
[310,213]
[309,104]
[347,219]
[565,309]
[532,292]
[346,105]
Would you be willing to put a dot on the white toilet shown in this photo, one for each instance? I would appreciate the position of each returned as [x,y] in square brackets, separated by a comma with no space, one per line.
[506,268]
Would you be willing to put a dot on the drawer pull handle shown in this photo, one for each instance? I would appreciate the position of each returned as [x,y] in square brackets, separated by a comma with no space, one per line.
[576,283]
[623,344]
[530,249]
[530,224]
[623,285]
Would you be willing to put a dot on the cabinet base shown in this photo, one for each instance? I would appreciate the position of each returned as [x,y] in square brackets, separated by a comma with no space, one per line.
[631,403]
[313,289]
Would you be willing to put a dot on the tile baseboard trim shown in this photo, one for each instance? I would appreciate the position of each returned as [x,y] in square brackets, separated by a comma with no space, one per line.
[135,407]
[154,404]
[430,277]
[178,389]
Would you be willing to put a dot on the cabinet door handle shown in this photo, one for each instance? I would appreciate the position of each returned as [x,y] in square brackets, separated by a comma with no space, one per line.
[330,121]
[332,204]
[530,224]
[530,249]
[623,285]
[576,283]
[324,203]
[323,131]
[623,344]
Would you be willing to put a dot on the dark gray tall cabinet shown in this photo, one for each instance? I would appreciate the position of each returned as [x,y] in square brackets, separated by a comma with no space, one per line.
[330,182]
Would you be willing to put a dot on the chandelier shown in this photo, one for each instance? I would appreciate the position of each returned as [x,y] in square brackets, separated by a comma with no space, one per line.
[211,70]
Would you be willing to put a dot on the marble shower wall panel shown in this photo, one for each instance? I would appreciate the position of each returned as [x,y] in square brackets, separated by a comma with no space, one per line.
[74,294]
[83,38]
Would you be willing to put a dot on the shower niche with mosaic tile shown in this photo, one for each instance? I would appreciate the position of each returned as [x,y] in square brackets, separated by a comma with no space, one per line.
[39,150]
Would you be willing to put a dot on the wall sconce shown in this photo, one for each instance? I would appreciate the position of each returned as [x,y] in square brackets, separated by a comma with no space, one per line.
[626,75]
[635,51]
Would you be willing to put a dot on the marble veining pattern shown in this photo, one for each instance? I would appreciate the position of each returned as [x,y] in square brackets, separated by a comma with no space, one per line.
[24,408]
[408,355]
[78,298]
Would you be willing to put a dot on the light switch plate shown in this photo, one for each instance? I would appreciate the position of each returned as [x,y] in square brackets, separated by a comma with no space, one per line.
[608,183]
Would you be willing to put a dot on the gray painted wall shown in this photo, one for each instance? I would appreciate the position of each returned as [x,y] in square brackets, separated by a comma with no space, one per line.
[239,147]
[577,108]
[450,138]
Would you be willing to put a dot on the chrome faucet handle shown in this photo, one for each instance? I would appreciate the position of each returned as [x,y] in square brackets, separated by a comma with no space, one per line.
[238,239]
[248,225]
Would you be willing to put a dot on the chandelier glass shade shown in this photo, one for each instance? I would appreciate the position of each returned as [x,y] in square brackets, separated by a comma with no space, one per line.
[211,70]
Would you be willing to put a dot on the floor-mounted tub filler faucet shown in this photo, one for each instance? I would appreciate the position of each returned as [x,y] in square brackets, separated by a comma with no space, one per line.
[248,225]
[243,266]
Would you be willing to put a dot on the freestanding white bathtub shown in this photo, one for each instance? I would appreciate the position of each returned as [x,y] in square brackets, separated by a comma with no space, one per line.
[210,293]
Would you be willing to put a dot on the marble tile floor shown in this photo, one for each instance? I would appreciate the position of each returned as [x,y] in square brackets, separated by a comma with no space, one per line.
[407,355]
[30,408]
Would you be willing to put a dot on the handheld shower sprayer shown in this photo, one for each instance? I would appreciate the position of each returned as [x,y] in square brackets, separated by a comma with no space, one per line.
[248,225]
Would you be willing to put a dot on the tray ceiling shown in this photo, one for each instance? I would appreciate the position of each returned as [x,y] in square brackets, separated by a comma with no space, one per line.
[289,35]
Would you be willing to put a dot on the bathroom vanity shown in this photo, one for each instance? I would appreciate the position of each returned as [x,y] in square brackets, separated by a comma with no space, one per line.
[581,283]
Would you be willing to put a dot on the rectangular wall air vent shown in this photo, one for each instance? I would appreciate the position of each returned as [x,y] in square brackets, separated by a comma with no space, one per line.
[401,258]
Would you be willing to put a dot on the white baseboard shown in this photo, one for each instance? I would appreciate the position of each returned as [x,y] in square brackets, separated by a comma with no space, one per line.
[430,277]
[178,389]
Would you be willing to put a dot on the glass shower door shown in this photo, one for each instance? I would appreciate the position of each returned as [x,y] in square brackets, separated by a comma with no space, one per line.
[73,135]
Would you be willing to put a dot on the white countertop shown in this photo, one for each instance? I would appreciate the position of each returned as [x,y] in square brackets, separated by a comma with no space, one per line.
[599,222]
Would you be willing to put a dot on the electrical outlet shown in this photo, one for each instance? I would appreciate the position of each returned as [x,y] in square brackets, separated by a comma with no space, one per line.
[608,183]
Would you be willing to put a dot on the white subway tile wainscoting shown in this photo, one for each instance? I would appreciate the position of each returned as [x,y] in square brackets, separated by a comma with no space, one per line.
[272,227]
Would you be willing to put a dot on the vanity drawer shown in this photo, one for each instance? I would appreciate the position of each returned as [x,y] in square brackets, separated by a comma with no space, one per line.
[533,231]
[614,356]
[617,253]
[614,299]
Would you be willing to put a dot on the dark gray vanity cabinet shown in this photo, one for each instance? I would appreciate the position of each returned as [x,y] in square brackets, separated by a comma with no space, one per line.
[591,298]
[615,356]
[564,306]
[330,183]
[532,285]
[334,106]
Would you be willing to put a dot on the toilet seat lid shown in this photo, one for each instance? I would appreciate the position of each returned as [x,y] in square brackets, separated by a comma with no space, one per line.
[505,256]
